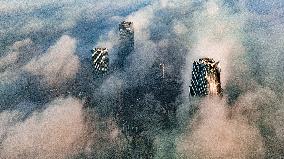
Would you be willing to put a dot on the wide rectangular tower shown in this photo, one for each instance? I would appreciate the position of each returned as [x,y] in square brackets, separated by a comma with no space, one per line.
[205,78]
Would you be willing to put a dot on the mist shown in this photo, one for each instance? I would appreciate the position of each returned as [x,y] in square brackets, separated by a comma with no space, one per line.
[53,105]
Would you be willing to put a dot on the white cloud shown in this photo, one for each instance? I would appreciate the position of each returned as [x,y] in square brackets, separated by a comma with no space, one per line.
[54,133]
[58,64]
[219,132]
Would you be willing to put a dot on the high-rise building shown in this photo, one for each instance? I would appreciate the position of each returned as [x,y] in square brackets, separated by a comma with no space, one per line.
[100,59]
[205,78]
[126,37]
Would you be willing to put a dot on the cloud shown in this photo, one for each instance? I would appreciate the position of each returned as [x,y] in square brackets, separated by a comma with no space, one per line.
[218,132]
[54,133]
[12,56]
[49,42]
[58,65]
[61,129]
[243,128]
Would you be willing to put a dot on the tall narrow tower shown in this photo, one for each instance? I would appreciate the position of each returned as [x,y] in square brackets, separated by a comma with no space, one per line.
[205,78]
[126,37]
[162,70]
[100,59]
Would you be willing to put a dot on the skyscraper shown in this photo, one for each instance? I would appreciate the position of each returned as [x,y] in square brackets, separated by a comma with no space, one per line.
[205,78]
[126,37]
[100,59]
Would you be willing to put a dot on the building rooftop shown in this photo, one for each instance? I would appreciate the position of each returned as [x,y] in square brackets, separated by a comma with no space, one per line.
[126,26]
